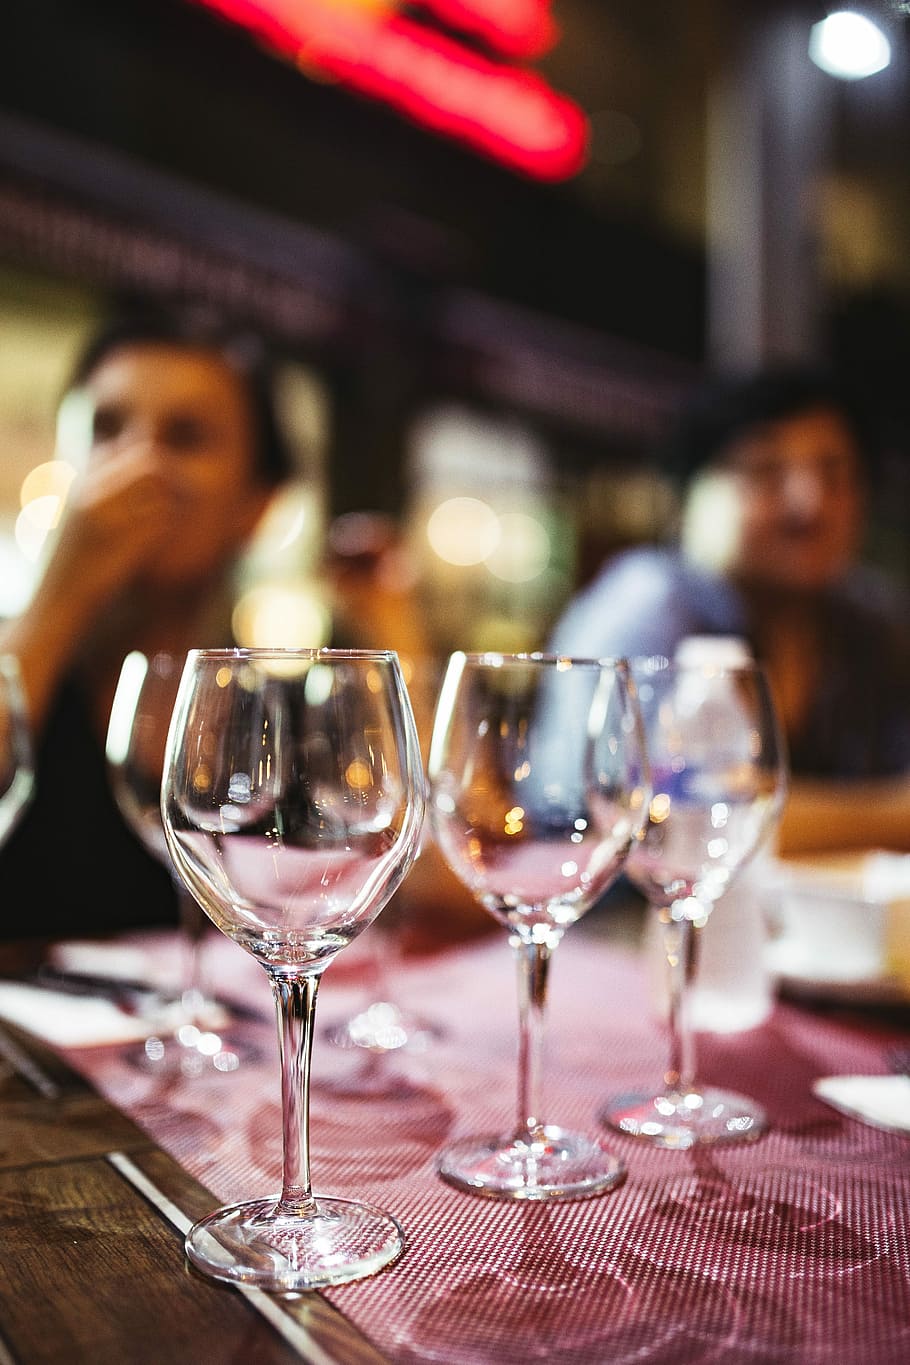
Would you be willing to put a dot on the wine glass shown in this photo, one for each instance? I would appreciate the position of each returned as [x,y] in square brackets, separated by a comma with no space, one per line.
[538,783]
[718,769]
[383,1034]
[187,1040]
[17,771]
[292,800]
[383,1029]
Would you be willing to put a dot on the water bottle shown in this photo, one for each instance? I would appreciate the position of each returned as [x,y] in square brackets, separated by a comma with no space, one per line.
[732,990]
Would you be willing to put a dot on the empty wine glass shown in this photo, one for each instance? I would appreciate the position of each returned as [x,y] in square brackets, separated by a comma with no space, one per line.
[538,784]
[383,1037]
[718,770]
[292,799]
[188,1038]
[17,772]
[383,1029]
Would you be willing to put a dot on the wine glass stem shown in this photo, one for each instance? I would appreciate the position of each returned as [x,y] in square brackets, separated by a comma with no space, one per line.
[192,929]
[533,969]
[681,943]
[377,974]
[295,1001]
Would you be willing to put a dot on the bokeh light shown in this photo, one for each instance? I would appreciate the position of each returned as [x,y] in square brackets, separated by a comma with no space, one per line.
[522,552]
[42,498]
[463,531]
[849,45]
[281,616]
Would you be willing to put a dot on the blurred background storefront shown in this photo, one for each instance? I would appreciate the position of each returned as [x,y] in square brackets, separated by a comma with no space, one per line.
[494,241]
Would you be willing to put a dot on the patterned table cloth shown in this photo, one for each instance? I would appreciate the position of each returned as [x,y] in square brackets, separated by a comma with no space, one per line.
[793,1249]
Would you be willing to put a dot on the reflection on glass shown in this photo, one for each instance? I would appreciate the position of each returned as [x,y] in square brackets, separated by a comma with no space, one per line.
[538,788]
[717,764]
[293,798]
[189,1037]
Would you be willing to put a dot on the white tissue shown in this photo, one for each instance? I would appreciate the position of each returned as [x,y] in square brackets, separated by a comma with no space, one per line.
[883,1101]
[65,1020]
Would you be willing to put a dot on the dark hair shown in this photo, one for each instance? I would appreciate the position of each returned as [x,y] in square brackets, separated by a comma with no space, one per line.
[728,407]
[242,352]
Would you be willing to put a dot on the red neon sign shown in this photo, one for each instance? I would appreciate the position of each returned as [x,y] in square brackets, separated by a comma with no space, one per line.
[506,112]
[516,28]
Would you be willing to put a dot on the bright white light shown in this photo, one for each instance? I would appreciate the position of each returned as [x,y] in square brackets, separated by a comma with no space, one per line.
[463,531]
[135,667]
[44,512]
[75,419]
[209,1044]
[31,528]
[523,551]
[42,496]
[849,45]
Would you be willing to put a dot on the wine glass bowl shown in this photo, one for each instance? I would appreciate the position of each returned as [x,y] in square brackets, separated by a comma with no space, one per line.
[718,771]
[538,789]
[137,730]
[292,799]
[384,1034]
[188,1036]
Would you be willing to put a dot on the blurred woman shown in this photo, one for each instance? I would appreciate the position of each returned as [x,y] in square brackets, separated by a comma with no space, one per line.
[184,455]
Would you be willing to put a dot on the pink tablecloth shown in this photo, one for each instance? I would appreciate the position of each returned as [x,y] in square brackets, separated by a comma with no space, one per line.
[795,1249]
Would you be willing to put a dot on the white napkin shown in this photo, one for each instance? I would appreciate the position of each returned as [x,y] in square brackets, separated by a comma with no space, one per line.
[886,876]
[883,1101]
[65,1020]
[154,958]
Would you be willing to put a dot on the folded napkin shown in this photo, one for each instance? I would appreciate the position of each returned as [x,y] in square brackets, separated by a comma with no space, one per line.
[153,958]
[883,1101]
[65,1020]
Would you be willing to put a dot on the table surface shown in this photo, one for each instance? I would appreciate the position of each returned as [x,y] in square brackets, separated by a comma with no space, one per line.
[794,1248]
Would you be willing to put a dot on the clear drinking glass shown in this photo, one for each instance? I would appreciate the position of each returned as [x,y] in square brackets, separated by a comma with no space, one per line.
[718,770]
[17,772]
[538,783]
[292,799]
[383,1036]
[189,1038]
[384,1029]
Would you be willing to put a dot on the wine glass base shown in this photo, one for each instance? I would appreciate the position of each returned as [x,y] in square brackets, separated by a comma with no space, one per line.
[189,1052]
[371,1075]
[254,1243]
[560,1166]
[384,1027]
[703,1117]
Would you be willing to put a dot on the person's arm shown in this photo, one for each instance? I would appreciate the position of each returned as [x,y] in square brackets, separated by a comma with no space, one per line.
[825,816]
[116,519]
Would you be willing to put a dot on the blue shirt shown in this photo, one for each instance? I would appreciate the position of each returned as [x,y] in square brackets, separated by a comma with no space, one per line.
[646,600]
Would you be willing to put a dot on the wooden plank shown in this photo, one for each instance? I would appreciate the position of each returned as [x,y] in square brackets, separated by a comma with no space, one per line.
[93,1275]
[327,1333]
[38,1130]
[92,1220]
[22,1058]
[50,1113]
[93,1268]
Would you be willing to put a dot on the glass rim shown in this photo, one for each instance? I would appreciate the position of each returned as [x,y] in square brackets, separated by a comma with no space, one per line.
[657,665]
[501,658]
[313,653]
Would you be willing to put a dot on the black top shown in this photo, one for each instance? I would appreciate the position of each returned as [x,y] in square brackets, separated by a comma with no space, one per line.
[72,867]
